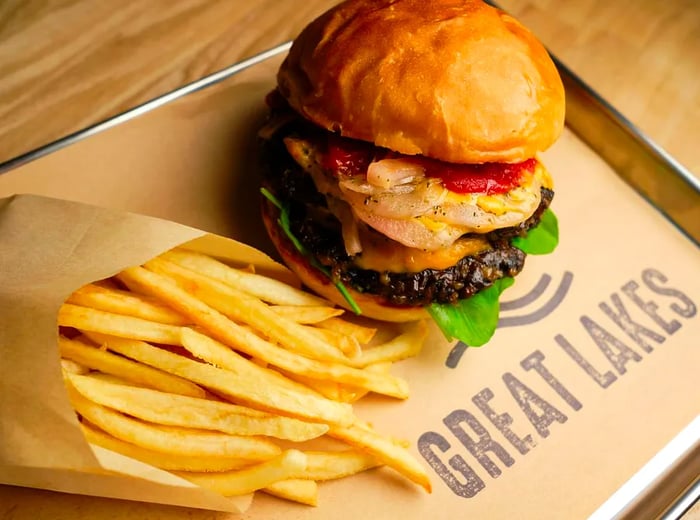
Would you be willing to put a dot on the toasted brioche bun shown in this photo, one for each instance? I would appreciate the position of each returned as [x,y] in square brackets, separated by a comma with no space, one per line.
[316,281]
[456,80]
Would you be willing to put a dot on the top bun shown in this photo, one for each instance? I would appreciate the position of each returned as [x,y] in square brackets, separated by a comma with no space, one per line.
[456,80]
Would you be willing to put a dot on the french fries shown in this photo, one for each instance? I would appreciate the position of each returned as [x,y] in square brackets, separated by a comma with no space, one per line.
[345,344]
[297,490]
[266,289]
[177,410]
[218,354]
[386,451]
[406,345]
[229,378]
[73,367]
[124,302]
[93,320]
[232,334]
[167,461]
[169,439]
[138,373]
[306,315]
[247,309]
[362,334]
[326,465]
[241,388]
[247,480]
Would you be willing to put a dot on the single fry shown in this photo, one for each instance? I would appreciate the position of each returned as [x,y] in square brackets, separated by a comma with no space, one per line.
[238,337]
[306,315]
[361,333]
[328,389]
[328,465]
[267,289]
[174,410]
[127,369]
[85,318]
[124,302]
[116,379]
[166,461]
[348,345]
[385,450]
[251,479]
[73,367]
[401,442]
[244,308]
[167,439]
[242,388]
[296,490]
[405,345]
[351,394]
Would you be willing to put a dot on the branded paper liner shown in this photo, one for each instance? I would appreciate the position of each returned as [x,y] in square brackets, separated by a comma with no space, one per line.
[580,422]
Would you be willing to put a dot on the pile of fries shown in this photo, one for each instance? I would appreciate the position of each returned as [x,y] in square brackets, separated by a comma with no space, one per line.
[228,378]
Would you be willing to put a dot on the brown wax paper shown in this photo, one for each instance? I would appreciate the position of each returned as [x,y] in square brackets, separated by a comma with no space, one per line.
[593,370]
[49,248]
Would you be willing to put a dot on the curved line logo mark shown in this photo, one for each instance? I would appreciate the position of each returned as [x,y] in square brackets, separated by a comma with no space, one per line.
[539,314]
[545,310]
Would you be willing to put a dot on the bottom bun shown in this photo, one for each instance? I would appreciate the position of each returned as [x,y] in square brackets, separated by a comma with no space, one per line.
[372,306]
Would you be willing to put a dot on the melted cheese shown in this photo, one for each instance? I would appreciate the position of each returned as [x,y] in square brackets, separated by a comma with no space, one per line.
[431,224]
[502,203]
[382,254]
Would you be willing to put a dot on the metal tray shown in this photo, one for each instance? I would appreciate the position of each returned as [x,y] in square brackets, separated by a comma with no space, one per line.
[669,484]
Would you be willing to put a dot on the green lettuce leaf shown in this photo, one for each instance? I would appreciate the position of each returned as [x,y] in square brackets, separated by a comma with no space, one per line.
[473,320]
[542,239]
[283,221]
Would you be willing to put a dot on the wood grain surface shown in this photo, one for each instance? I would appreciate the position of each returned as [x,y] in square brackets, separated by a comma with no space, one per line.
[67,64]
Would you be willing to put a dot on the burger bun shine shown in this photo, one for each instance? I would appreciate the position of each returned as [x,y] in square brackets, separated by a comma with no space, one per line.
[455,80]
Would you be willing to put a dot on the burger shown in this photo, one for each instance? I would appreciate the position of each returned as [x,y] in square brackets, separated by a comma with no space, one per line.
[401,176]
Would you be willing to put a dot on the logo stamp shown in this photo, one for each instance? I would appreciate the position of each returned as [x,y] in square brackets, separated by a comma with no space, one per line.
[531,300]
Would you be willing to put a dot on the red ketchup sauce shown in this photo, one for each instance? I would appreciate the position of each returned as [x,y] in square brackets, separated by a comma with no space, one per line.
[347,157]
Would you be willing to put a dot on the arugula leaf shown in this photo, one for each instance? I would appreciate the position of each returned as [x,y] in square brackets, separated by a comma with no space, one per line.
[473,320]
[543,238]
[283,221]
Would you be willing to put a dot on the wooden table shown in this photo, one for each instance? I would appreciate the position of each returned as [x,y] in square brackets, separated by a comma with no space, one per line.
[65,65]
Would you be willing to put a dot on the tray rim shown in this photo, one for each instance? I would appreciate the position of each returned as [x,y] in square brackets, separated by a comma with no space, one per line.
[141,109]
[639,487]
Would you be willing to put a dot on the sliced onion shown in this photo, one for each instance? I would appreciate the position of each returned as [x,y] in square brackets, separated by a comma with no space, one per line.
[357,184]
[351,233]
[306,154]
[429,198]
[411,232]
[388,173]
[404,201]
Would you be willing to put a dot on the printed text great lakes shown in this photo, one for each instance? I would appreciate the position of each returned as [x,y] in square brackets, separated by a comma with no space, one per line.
[470,452]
